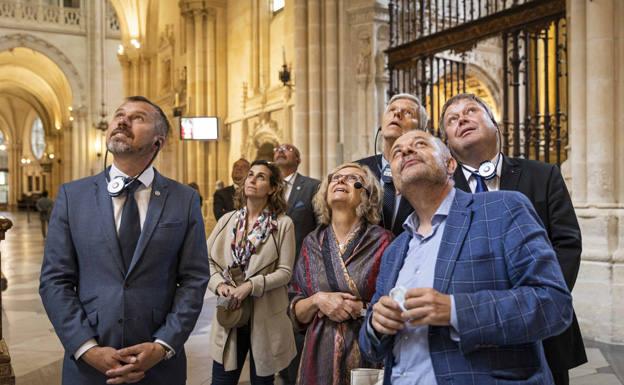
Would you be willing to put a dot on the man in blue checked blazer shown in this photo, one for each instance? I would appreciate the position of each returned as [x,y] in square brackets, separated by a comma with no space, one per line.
[483,286]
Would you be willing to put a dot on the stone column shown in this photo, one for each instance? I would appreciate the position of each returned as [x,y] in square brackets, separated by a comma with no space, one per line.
[578,102]
[595,70]
[301,128]
[331,115]
[315,128]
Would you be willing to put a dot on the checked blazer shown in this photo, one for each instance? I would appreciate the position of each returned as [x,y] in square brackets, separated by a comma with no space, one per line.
[495,258]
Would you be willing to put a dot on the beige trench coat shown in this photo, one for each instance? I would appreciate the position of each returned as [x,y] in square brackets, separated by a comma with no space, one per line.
[272,339]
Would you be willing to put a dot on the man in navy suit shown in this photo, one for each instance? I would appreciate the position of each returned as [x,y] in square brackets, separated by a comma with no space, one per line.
[404,112]
[125,267]
[475,283]
[473,137]
[223,199]
[299,191]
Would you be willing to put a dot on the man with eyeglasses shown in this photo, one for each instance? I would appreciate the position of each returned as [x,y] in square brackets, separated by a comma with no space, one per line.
[474,139]
[403,113]
[299,191]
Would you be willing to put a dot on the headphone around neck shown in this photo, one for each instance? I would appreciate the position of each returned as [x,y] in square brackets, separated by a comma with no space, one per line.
[119,184]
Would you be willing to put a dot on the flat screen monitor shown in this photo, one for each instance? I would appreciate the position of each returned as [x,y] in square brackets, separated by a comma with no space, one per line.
[199,128]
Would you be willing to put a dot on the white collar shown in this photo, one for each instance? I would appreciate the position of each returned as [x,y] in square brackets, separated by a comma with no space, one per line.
[146,178]
[290,179]
[469,170]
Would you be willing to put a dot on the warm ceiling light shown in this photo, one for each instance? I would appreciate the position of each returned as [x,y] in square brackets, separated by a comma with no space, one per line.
[135,43]
[71,118]
[3,147]
[70,108]
[51,155]
[120,49]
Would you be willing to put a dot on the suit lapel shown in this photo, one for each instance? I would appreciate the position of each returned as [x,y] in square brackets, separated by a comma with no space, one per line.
[105,208]
[154,210]
[405,209]
[460,180]
[398,263]
[457,224]
[510,174]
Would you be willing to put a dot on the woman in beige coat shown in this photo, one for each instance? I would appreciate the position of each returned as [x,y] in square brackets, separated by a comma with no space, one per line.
[259,240]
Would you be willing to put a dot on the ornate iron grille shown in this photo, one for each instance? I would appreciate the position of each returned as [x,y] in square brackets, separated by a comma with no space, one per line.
[430,40]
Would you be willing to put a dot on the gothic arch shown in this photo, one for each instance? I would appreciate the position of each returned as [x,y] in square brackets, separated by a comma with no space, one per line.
[264,132]
[57,56]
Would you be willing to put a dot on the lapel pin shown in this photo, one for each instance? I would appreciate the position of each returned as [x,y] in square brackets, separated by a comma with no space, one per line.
[157,193]
[298,187]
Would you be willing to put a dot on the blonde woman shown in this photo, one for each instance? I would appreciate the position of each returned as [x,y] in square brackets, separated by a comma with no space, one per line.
[259,241]
[335,275]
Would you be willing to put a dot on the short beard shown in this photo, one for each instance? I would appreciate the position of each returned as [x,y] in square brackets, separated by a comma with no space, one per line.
[118,147]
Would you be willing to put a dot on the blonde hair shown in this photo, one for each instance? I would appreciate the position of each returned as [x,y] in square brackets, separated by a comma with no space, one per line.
[370,207]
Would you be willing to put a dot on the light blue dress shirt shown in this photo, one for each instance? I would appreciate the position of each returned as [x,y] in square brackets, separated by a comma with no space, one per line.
[412,361]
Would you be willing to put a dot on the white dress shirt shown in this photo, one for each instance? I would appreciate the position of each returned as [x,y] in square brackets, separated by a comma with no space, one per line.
[288,184]
[492,184]
[142,197]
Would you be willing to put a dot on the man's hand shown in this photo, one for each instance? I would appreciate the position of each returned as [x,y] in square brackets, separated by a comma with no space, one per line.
[426,306]
[103,358]
[338,307]
[145,355]
[386,318]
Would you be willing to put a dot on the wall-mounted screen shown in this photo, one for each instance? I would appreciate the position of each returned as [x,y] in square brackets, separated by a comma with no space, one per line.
[199,128]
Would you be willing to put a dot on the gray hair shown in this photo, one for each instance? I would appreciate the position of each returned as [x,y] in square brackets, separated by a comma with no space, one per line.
[464,96]
[423,118]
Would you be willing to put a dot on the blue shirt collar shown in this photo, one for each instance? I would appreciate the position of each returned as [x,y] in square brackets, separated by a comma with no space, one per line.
[411,223]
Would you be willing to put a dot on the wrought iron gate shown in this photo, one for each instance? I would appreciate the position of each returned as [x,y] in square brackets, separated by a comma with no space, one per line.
[429,42]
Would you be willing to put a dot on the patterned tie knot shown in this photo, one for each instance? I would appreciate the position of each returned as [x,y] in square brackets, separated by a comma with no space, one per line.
[132,187]
[386,175]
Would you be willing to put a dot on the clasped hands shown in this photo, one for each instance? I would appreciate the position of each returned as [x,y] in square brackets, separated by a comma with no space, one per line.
[236,294]
[126,365]
[338,306]
[423,306]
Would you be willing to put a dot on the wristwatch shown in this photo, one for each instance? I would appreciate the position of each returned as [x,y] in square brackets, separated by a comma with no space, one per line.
[168,352]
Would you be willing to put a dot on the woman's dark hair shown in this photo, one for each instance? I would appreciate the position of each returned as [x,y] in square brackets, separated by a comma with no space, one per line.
[276,203]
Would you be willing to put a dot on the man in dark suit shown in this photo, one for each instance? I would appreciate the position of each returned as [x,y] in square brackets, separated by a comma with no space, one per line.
[299,191]
[223,199]
[403,113]
[125,266]
[474,139]
[468,291]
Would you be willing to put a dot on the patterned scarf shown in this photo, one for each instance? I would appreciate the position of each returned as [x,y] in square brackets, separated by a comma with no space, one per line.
[245,245]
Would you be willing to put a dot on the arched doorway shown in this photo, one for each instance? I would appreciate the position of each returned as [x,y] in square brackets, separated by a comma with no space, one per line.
[35,113]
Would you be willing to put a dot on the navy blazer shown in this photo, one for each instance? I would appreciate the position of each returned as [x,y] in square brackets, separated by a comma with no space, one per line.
[405,209]
[88,294]
[543,184]
[495,258]
[300,208]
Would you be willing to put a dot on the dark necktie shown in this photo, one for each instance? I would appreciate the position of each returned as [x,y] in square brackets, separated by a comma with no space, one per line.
[389,198]
[481,186]
[130,227]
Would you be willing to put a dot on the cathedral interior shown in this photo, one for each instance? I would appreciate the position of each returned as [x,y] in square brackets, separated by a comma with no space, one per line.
[318,74]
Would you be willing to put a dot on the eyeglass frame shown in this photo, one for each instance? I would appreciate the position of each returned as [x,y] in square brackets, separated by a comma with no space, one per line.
[345,177]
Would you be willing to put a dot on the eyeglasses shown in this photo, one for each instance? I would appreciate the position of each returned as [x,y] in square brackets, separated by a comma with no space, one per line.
[283,148]
[349,178]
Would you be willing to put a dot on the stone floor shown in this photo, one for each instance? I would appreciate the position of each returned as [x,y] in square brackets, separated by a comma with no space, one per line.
[36,351]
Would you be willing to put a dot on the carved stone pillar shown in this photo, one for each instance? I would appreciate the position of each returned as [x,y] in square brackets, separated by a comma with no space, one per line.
[595,69]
